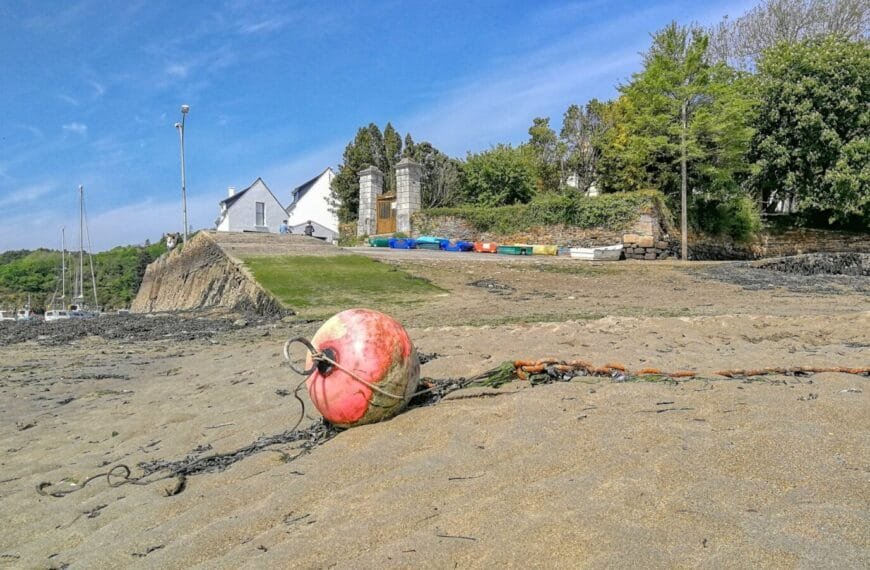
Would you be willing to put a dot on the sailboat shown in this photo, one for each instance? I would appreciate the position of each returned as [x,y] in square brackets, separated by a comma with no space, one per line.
[25,313]
[58,311]
[79,308]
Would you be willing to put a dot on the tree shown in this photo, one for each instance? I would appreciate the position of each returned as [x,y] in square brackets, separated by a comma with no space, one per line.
[741,42]
[502,175]
[580,127]
[543,144]
[441,182]
[366,149]
[392,155]
[811,141]
[683,122]
[441,177]
[409,146]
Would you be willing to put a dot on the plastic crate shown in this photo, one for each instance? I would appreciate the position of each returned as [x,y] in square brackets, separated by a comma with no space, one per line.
[485,247]
[515,249]
[402,243]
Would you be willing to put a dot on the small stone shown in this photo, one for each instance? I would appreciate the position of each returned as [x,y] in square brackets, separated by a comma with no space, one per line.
[240,323]
[649,256]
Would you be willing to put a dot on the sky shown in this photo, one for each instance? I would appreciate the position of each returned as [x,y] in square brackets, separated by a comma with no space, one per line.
[90,93]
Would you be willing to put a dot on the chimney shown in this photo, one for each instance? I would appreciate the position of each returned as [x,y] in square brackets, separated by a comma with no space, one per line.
[231,191]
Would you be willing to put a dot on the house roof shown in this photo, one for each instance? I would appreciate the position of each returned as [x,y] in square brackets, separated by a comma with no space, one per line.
[232,199]
[301,190]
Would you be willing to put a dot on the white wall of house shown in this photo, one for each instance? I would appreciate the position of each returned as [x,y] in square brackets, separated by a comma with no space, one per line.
[313,204]
[240,215]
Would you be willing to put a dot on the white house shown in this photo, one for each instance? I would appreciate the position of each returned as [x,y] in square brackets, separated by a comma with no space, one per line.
[310,202]
[254,209]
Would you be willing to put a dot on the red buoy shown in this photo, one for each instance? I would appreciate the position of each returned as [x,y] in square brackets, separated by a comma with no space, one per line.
[376,371]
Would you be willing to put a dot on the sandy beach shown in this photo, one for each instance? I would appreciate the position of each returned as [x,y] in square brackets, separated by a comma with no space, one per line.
[709,472]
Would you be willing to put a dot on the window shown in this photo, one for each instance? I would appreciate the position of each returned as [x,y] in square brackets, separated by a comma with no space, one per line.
[261,214]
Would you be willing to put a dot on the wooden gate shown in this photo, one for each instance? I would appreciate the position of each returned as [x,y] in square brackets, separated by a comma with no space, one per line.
[386,214]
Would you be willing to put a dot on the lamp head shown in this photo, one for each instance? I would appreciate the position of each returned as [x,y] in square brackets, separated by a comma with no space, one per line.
[185,109]
[177,125]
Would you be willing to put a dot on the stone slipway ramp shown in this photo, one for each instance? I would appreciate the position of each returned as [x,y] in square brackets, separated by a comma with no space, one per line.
[208,273]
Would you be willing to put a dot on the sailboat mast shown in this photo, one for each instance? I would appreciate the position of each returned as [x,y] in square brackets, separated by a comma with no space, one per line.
[81,284]
[62,263]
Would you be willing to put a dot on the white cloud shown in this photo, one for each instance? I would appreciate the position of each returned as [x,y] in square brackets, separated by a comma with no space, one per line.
[177,70]
[66,98]
[76,127]
[129,224]
[263,26]
[25,195]
[98,87]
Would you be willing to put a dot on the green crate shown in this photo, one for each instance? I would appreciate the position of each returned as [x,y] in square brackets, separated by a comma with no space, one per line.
[515,249]
[379,242]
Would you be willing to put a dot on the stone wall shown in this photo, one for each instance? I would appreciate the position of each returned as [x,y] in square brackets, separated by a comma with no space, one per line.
[456,227]
[770,244]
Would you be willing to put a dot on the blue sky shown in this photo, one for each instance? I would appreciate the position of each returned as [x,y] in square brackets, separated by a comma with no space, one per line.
[90,91]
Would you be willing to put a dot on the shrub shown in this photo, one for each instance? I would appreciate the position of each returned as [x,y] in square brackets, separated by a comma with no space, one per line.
[736,217]
[610,211]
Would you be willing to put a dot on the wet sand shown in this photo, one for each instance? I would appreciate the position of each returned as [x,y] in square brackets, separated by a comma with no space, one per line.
[589,473]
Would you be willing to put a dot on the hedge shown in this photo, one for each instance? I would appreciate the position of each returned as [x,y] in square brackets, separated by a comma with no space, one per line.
[610,211]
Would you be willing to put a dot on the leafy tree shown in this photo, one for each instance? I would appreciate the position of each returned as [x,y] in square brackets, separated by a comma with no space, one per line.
[500,176]
[580,127]
[441,176]
[742,41]
[441,183]
[544,147]
[366,149]
[683,122]
[811,141]
[409,146]
[119,273]
[392,155]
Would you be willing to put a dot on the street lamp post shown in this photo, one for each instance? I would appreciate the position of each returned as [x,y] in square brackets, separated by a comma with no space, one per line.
[180,127]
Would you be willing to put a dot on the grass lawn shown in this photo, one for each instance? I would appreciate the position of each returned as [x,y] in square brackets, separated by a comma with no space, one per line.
[317,287]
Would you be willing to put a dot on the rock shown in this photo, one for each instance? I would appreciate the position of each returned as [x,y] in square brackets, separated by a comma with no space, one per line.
[645,241]
[240,323]
[649,256]
[630,238]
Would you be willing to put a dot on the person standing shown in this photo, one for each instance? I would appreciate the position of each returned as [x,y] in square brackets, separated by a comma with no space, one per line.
[283,228]
[309,229]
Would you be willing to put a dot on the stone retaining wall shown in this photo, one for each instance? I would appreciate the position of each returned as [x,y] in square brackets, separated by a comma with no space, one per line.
[769,244]
[459,228]
[647,239]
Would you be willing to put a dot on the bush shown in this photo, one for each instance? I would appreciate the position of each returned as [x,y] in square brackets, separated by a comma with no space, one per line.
[610,211]
[736,217]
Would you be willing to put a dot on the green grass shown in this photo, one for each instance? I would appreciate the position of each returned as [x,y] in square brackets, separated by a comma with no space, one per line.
[319,286]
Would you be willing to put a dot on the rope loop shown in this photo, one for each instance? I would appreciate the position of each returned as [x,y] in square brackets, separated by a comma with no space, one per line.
[315,355]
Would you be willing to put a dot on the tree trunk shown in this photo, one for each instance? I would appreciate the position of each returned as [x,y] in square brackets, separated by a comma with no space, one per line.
[684,224]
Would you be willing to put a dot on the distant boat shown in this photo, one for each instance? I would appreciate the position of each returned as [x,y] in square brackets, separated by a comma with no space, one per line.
[57,311]
[79,308]
[602,253]
[7,315]
[25,314]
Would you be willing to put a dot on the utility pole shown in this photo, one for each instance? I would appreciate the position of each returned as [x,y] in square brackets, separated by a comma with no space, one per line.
[684,238]
[180,127]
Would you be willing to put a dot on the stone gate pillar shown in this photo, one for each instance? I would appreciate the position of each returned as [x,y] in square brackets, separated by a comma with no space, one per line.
[408,175]
[371,184]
